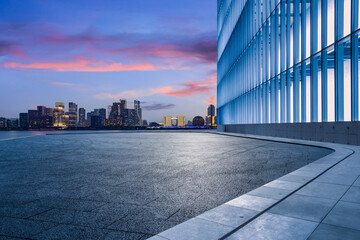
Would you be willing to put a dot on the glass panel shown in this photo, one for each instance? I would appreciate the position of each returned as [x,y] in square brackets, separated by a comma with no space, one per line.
[308,96]
[347,17]
[331,84]
[308,30]
[347,80]
[330,21]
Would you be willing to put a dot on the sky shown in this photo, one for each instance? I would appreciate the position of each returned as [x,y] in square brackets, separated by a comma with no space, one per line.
[95,52]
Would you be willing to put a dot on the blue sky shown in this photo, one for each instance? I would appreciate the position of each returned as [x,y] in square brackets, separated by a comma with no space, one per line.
[94,52]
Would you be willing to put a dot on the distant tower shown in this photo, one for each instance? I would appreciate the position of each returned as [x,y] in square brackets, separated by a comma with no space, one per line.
[138,113]
[181,121]
[59,111]
[82,118]
[72,114]
[167,121]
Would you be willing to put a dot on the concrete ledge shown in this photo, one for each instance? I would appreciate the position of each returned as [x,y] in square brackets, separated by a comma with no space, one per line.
[291,207]
[334,132]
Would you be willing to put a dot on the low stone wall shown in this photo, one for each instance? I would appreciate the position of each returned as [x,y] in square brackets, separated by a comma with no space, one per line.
[334,132]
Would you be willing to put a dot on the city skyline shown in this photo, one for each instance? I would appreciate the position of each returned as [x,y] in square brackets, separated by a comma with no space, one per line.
[165,56]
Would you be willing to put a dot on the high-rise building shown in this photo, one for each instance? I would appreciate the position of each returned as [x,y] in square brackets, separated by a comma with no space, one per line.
[59,115]
[102,115]
[2,122]
[12,123]
[167,121]
[82,118]
[138,113]
[24,121]
[72,114]
[211,117]
[198,121]
[181,121]
[33,116]
[288,62]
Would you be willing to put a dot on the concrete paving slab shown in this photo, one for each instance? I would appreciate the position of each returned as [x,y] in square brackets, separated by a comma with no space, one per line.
[345,214]
[196,229]
[22,228]
[296,178]
[352,195]
[304,207]
[331,177]
[273,226]
[330,232]
[323,190]
[269,192]
[252,202]
[284,185]
[357,182]
[228,215]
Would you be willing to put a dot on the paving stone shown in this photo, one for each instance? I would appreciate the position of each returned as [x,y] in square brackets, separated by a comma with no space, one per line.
[268,192]
[304,207]
[273,226]
[228,215]
[196,229]
[72,217]
[157,238]
[21,211]
[295,178]
[357,182]
[352,195]
[345,214]
[323,190]
[284,185]
[330,232]
[14,227]
[343,179]
[252,202]
[70,204]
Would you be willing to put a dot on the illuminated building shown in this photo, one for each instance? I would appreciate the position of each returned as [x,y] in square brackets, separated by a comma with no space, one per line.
[2,122]
[181,121]
[167,121]
[285,62]
[59,111]
[211,116]
[33,116]
[72,114]
[198,121]
[24,121]
[120,115]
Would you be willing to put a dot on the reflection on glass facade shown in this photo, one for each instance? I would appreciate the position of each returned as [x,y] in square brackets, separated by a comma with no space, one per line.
[284,61]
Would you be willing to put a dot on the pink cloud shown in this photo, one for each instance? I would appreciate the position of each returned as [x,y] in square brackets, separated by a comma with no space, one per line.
[210,100]
[190,88]
[82,64]
[61,84]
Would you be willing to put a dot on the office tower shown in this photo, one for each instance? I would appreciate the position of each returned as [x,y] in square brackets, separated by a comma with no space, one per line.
[59,111]
[210,118]
[24,121]
[72,114]
[288,62]
[2,122]
[102,115]
[198,121]
[82,118]
[189,123]
[138,113]
[167,121]
[33,116]
[181,121]
[96,121]
[115,115]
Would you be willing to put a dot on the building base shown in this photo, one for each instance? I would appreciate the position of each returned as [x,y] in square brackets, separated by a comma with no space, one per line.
[334,132]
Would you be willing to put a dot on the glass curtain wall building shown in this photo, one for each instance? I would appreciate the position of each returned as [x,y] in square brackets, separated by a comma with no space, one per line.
[288,61]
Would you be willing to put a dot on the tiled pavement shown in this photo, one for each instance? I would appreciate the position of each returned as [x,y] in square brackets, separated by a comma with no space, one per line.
[132,186]
[318,201]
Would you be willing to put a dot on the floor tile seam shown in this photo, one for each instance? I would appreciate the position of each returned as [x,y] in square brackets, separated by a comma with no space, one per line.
[330,224]
[211,221]
[278,201]
[291,193]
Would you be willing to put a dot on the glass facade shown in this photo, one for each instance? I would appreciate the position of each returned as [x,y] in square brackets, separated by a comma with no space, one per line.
[288,61]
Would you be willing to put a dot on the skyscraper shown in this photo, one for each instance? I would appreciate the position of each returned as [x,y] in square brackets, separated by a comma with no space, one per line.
[23,118]
[211,117]
[82,118]
[181,121]
[72,114]
[167,121]
[288,62]
[59,111]
[138,113]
